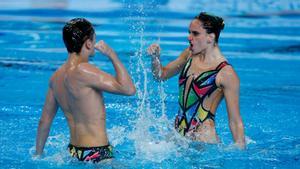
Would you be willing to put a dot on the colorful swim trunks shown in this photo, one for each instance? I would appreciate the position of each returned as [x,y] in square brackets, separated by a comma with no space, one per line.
[93,154]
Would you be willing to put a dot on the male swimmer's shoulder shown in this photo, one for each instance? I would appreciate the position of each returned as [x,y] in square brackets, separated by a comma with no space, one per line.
[88,72]
[56,75]
[87,68]
[52,78]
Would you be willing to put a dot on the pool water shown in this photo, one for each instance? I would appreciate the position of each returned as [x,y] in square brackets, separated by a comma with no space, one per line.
[261,40]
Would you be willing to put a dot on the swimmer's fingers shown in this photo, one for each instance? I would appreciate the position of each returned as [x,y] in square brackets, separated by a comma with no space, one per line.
[98,45]
[154,50]
[102,47]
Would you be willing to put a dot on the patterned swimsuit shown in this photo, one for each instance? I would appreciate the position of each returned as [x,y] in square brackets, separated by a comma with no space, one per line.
[191,113]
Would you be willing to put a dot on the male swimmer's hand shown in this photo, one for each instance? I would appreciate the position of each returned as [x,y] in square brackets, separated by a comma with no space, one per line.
[102,47]
[154,50]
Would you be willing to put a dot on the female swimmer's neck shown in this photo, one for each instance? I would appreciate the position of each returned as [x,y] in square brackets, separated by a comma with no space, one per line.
[209,55]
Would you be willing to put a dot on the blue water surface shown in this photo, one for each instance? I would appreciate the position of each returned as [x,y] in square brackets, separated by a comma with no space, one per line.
[261,40]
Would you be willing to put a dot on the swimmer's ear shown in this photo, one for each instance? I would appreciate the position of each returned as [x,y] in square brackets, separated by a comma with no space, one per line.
[211,38]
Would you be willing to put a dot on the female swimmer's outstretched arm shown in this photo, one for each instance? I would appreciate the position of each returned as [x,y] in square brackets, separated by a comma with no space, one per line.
[163,73]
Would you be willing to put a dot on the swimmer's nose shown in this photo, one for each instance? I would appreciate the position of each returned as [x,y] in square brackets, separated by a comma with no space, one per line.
[190,37]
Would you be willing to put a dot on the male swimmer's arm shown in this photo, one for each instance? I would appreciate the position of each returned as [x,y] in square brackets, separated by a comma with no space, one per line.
[49,111]
[173,68]
[231,87]
[122,83]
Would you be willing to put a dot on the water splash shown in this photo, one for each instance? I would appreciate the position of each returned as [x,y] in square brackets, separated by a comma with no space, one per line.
[117,135]
[151,128]
[55,151]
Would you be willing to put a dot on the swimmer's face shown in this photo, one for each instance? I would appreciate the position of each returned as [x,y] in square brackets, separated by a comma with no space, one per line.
[198,37]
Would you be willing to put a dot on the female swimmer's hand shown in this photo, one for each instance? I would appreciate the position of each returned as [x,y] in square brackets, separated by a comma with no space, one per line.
[102,47]
[154,50]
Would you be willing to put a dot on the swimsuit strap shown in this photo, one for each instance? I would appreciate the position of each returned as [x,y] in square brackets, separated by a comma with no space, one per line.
[186,68]
[221,65]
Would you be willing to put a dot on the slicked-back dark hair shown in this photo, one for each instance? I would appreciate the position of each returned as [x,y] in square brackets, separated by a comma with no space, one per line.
[211,23]
[76,32]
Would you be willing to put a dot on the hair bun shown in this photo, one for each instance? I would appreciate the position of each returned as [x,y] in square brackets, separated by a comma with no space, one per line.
[222,25]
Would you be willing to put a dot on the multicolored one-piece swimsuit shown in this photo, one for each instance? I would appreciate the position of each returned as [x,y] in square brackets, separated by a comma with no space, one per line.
[191,112]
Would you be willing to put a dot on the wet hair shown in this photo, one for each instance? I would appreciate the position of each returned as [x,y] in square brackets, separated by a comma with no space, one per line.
[76,32]
[211,23]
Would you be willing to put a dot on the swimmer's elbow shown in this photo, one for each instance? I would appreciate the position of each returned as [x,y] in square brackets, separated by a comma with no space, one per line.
[44,124]
[238,123]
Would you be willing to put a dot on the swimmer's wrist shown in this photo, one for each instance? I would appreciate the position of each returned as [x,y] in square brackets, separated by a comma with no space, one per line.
[240,146]
[155,56]
[38,154]
[111,53]
[156,59]
[113,57]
